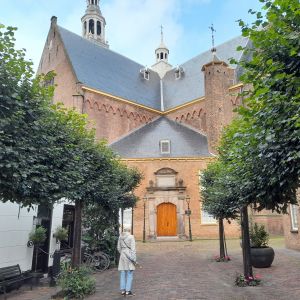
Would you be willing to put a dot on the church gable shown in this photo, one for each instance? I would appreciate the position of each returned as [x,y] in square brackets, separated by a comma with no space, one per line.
[54,58]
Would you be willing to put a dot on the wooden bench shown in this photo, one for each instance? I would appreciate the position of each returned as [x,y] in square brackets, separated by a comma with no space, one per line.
[11,277]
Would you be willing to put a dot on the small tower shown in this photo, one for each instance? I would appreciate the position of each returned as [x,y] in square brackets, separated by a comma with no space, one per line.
[93,24]
[218,78]
[162,65]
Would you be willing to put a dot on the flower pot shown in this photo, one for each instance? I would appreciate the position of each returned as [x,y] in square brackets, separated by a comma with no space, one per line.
[262,257]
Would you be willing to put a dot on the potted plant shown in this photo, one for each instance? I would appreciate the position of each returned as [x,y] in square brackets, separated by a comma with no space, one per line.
[262,255]
[61,234]
[37,237]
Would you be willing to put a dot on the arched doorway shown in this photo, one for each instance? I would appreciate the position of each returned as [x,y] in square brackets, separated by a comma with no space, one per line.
[166,219]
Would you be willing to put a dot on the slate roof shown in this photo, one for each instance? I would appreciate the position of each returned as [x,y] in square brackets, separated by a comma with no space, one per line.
[191,85]
[112,73]
[145,141]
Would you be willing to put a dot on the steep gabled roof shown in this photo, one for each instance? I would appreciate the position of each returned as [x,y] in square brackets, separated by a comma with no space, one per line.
[191,85]
[145,142]
[110,72]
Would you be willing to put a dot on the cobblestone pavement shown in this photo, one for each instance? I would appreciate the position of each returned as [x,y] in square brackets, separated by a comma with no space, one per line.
[185,270]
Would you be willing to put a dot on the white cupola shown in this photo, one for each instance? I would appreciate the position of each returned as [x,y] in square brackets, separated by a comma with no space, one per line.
[162,52]
[93,23]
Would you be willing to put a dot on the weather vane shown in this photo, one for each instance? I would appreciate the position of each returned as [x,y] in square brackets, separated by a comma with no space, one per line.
[213,36]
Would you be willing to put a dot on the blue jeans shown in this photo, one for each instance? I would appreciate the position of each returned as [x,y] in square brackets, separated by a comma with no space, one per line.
[126,280]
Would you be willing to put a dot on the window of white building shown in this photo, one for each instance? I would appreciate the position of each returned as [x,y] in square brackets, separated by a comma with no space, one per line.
[294,217]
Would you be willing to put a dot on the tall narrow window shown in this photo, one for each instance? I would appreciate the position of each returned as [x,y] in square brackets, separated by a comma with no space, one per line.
[161,55]
[166,55]
[294,217]
[92,26]
[98,28]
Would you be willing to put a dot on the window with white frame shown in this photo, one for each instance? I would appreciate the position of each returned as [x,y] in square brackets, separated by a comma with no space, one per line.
[206,218]
[294,217]
[165,147]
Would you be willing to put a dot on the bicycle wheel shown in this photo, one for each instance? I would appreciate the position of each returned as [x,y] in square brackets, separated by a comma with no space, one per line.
[100,262]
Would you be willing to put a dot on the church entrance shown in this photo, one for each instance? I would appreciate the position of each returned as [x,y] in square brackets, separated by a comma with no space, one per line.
[166,220]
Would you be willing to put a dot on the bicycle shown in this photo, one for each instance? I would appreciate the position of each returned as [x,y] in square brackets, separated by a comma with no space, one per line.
[98,261]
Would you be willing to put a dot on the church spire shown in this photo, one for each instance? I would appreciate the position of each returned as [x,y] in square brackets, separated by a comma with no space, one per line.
[162,65]
[93,23]
[162,52]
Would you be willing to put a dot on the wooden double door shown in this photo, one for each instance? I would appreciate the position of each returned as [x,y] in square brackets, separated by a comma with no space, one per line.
[166,219]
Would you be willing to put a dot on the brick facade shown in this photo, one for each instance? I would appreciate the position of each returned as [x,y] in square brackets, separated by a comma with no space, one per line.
[113,117]
[292,237]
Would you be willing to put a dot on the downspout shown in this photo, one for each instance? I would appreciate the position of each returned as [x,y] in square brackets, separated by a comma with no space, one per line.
[162,107]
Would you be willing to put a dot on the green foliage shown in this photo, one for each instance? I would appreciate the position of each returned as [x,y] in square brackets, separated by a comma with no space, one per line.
[61,233]
[76,283]
[38,235]
[46,151]
[259,236]
[262,146]
[215,191]
[243,281]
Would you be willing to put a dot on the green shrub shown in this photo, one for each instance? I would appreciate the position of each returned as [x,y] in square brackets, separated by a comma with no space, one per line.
[259,236]
[61,233]
[76,283]
[38,235]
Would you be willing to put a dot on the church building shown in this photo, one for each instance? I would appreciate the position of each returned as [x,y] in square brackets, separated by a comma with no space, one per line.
[164,120]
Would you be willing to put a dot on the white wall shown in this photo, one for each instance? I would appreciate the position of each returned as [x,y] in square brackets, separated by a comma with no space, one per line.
[57,216]
[15,227]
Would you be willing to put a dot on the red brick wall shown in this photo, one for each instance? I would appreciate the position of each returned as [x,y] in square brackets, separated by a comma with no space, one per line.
[113,118]
[292,239]
[218,79]
[55,59]
[188,170]
[193,115]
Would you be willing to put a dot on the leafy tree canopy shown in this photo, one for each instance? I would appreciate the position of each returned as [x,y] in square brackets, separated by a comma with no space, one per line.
[262,147]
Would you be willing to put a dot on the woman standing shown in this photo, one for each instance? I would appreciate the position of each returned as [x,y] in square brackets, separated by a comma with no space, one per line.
[126,248]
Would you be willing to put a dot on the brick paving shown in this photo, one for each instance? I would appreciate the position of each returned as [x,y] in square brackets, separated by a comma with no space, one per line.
[184,270]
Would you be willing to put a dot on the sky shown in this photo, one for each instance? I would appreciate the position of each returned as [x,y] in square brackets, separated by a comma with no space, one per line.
[133,26]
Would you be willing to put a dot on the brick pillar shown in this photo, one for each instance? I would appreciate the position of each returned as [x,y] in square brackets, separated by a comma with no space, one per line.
[218,78]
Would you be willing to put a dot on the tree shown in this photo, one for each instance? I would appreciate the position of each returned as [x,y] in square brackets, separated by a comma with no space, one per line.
[262,146]
[47,153]
[215,183]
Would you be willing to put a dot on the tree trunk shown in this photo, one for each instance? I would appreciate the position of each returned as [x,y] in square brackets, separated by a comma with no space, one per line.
[76,255]
[248,272]
[221,238]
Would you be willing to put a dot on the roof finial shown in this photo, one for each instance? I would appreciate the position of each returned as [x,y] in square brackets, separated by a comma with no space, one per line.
[162,33]
[213,37]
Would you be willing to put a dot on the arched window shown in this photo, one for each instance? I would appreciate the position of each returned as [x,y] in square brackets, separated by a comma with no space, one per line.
[96,2]
[98,28]
[166,55]
[157,56]
[92,26]
[161,55]
[84,28]
[93,2]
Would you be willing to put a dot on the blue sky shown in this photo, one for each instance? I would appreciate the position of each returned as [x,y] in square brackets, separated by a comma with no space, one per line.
[133,26]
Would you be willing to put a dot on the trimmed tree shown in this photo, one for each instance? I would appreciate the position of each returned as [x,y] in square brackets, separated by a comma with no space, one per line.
[215,181]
